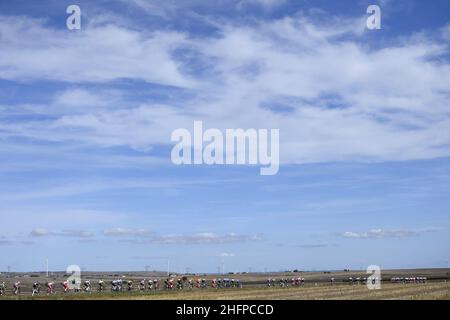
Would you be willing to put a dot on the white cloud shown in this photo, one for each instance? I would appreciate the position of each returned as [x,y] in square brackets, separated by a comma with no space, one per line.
[383,233]
[39,232]
[154,8]
[65,189]
[6,241]
[198,238]
[226,254]
[268,4]
[143,236]
[124,232]
[207,237]
[345,101]
[80,99]
[75,233]
[31,50]
[446,32]
[316,245]
[81,234]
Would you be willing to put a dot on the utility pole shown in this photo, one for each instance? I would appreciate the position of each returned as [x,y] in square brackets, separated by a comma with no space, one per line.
[46,268]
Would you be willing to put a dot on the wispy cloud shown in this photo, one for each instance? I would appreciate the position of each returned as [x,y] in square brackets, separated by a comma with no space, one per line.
[316,245]
[147,56]
[124,232]
[384,233]
[90,186]
[361,108]
[198,238]
[227,254]
[39,232]
[267,4]
[81,234]
[7,241]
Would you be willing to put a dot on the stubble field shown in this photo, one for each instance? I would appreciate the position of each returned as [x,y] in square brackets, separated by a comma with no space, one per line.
[317,286]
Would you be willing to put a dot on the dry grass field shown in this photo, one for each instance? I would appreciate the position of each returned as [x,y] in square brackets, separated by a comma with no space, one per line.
[317,287]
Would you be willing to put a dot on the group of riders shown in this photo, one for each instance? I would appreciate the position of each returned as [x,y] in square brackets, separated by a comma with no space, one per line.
[409,279]
[358,280]
[171,283]
[128,285]
[285,282]
[36,288]
[177,284]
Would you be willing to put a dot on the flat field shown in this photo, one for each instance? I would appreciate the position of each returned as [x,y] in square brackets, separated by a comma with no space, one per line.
[317,286]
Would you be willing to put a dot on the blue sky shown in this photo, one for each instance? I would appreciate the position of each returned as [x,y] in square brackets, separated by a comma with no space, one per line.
[86,118]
